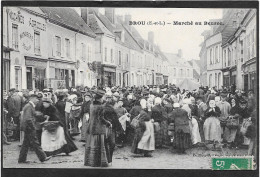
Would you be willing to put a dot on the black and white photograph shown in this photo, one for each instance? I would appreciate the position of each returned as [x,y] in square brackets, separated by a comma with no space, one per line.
[129,88]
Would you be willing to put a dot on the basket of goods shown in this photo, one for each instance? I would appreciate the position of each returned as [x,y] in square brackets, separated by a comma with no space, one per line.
[51,126]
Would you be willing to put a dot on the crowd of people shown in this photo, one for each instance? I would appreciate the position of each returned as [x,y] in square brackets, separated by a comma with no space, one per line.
[144,117]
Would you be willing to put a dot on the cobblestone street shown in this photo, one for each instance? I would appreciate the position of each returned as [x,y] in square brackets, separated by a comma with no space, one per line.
[196,158]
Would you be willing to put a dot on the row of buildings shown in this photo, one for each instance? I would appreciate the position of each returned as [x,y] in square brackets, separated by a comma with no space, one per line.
[62,47]
[228,53]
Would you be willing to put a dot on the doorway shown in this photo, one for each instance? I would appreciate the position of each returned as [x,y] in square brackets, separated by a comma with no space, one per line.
[39,78]
[29,78]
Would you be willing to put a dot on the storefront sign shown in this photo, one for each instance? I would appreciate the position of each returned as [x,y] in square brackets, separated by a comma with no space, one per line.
[17,17]
[26,39]
[226,73]
[37,25]
[36,63]
[109,69]
[61,65]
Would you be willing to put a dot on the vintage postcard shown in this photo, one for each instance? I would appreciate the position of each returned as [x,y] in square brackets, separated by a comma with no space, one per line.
[121,86]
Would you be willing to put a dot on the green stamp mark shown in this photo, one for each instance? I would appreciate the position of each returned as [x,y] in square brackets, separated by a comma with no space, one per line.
[232,163]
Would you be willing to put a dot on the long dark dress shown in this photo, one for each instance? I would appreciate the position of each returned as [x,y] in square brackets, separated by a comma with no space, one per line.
[56,116]
[96,149]
[182,137]
[159,116]
[84,110]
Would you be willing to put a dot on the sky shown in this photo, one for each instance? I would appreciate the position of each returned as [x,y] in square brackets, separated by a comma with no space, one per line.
[170,38]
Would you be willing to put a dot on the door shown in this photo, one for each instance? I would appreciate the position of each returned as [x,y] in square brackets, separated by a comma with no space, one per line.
[73,78]
[29,77]
[67,78]
[246,82]
[39,78]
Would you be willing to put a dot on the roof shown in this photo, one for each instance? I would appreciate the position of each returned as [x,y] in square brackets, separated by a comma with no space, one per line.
[195,74]
[188,84]
[69,17]
[175,60]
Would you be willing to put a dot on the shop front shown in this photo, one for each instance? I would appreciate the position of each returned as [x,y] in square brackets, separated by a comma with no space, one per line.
[108,75]
[250,75]
[233,74]
[6,70]
[226,78]
[159,79]
[165,79]
[62,74]
[36,73]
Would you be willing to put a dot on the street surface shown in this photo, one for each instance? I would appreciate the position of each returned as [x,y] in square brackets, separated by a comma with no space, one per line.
[195,158]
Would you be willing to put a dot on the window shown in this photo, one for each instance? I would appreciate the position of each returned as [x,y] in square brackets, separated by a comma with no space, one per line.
[37,46]
[181,73]
[83,51]
[127,60]
[89,53]
[229,57]
[105,54]
[219,75]
[119,58]
[15,36]
[252,43]
[133,60]
[216,55]
[67,47]
[112,59]
[225,57]
[119,78]
[242,51]
[58,46]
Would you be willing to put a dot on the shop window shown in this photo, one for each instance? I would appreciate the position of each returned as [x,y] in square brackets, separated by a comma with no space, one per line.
[15,36]
[58,46]
[37,43]
[67,47]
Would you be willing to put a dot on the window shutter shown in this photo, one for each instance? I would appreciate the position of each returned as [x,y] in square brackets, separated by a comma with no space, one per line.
[53,46]
[62,47]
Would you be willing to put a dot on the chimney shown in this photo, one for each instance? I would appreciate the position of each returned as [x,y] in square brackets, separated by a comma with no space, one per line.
[85,15]
[110,14]
[180,53]
[151,37]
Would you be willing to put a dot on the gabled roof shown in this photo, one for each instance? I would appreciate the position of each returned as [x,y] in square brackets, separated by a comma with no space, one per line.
[97,26]
[175,60]
[68,17]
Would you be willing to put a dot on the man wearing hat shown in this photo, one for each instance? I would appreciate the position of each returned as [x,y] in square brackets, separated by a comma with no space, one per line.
[14,107]
[30,138]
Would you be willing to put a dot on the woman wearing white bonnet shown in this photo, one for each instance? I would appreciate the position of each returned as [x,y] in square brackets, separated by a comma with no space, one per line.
[144,133]
[211,127]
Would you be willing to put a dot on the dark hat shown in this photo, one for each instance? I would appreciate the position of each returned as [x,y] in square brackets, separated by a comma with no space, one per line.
[12,89]
[88,94]
[47,100]
[33,96]
[242,101]
[100,92]
[168,100]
